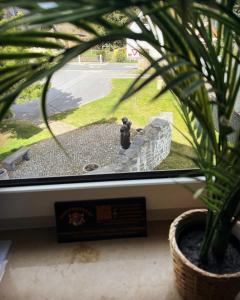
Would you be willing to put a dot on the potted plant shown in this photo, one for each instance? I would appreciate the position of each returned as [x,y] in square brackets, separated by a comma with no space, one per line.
[197,43]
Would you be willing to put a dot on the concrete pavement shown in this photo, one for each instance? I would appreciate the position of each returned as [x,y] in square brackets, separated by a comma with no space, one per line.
[122,67]
[74,85]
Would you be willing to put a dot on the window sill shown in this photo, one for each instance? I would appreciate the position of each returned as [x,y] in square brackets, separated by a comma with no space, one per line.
[33,206]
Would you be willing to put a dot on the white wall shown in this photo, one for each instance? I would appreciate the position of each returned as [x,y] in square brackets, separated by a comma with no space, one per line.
[132,44]
[33,206]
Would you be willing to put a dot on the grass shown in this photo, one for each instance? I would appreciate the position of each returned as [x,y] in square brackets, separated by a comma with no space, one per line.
[19,134]
[178,158]
[20,129]
[138,109]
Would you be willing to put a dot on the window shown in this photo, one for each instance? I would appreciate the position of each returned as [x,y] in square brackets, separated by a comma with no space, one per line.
[80,103]
[139,136]
[99,146]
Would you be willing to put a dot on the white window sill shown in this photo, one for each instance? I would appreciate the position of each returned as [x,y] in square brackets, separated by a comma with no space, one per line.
[33,206]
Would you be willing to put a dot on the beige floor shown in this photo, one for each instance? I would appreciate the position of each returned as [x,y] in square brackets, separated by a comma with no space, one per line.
[40,268]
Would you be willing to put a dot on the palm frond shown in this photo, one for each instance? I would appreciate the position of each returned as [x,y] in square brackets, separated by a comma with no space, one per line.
[198,47]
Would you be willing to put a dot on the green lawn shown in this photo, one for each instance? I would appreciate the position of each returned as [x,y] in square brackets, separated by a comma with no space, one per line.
[19,133]
[138,109]
[178,158]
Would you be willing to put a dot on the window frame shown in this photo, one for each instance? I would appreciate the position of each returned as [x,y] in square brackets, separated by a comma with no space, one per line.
[191,173]
[32,206]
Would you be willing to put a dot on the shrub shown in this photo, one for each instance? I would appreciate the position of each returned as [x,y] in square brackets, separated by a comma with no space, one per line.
[31,93]
[120,55]
[8,115]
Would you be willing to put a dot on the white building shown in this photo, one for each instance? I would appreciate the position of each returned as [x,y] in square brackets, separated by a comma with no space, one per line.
[133,46]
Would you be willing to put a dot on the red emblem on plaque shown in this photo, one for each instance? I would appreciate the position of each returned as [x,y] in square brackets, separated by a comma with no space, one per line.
[77,218]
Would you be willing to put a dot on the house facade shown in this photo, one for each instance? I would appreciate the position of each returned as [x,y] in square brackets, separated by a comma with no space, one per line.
[133,47]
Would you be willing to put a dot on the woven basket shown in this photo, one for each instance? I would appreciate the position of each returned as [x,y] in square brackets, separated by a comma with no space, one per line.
[192,282]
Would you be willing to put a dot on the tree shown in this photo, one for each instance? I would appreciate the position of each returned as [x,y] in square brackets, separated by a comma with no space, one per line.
[119,19]
[33,91]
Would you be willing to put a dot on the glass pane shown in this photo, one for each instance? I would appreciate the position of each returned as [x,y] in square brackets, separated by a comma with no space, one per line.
[94,136]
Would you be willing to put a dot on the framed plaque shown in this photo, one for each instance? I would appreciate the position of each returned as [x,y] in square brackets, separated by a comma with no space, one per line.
[101,219]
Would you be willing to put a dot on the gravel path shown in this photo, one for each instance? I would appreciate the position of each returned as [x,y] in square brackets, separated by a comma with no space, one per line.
[58,127]
[93,144]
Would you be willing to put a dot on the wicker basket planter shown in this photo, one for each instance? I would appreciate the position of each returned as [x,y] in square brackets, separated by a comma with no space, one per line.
[192,282]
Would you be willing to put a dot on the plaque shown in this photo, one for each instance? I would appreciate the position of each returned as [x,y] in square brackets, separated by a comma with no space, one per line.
[100,219]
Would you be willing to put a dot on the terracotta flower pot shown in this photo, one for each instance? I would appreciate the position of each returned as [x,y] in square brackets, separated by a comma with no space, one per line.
[192,282]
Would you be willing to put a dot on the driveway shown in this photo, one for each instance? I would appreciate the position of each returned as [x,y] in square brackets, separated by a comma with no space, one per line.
[74,85]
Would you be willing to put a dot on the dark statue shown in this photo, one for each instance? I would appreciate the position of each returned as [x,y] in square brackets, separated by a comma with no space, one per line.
[125,133]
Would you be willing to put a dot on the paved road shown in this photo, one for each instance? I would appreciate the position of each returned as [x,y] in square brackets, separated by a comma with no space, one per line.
[74,85]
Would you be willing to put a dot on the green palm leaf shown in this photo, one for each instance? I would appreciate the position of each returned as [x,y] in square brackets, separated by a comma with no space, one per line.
[199,62]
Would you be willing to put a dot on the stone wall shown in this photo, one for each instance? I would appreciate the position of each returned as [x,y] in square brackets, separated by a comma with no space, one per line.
[148,148]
